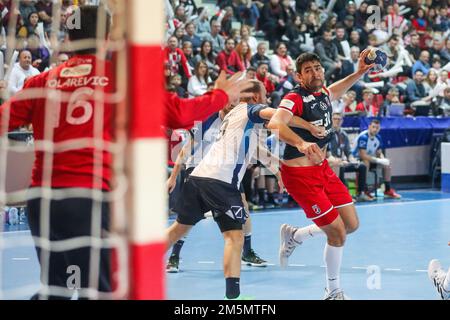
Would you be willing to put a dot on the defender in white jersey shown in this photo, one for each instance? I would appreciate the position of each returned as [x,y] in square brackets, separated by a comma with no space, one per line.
[203,135]
[214,183]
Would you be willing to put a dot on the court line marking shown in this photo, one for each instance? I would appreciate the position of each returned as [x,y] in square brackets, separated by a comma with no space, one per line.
[206,262]
[21,259]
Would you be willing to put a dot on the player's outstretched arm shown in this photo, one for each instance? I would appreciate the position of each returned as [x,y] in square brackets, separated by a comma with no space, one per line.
[342,86]
[182,113]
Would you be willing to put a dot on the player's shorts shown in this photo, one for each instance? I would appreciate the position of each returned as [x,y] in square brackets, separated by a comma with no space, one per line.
[189,171]
[201,195]
[318,191]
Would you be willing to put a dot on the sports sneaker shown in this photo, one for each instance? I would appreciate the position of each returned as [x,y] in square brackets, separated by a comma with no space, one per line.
[365,197]
[337,294]
[172,265]
[437,275]
[287,243]
[252,259]
[392,194]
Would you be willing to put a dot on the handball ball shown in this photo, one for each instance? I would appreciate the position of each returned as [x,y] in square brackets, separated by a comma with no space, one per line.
[376,56]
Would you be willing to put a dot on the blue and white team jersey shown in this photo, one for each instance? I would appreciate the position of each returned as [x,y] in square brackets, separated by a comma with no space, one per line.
[370,144]
[204,135]
[235,147]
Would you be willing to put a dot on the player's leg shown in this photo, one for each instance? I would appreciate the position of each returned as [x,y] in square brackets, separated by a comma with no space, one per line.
[249,256]
[389,191]
[234,240]
[350,218]
[332,255]
[440,279]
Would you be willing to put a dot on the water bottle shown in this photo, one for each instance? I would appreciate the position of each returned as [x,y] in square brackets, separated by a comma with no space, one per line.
[13,216]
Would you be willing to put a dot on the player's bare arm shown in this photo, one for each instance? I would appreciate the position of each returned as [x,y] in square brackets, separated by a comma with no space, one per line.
[338,89]
[278,124]
[181,159]
[316,131]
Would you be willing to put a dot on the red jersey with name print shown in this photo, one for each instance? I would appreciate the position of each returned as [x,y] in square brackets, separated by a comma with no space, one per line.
[315,108]
[60,105]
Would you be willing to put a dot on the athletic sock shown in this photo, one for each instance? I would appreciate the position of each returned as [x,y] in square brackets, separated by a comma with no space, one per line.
[333,259]
[176,249]
[232,288]
[447,281]
[247,244]
[261,194]
[387,185]
[307,232]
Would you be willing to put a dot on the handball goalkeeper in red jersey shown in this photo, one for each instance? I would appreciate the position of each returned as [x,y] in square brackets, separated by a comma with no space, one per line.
[64,112]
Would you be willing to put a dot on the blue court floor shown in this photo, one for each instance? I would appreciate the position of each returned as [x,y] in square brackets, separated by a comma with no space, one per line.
[386,259]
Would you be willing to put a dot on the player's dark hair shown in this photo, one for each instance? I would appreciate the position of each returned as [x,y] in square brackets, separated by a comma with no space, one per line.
[376,121]
[306,57]
[89,15]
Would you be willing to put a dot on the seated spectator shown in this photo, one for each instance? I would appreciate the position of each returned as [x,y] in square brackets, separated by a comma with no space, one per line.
[198,83]
[328,53]
[246,36]
[179,34]
[244,53]
[415,89]
[45,11]
[346,105]
[175,83]
[190,36]
[286,84]
[340,40]
[262,74]
[436,48]
[260,55]
[280,61]
[202,24]
[228,59]
[296,34]
[356,41]
[351,66]
[393,96]
[422,64]
[420,23]
[430,82]
[443,104]
[272,21]
[368,106]
[218,42]
[189,54]
[176,59]
[442,83]
[445,53]
[369,145]
[413,48]
[21,71]
[206,54]
[39,53]
[250,73]
[341,159]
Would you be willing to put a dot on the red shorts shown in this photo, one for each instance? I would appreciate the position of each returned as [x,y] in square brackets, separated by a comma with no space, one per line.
[318,191]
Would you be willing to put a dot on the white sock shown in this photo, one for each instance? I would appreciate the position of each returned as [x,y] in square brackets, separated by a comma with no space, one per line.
[333,258]
[447,281]
[307,233]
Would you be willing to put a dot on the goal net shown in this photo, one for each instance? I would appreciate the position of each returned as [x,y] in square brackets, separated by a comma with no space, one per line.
[124,94]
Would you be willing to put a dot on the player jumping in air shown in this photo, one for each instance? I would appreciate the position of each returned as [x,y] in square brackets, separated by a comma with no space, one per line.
[308,178]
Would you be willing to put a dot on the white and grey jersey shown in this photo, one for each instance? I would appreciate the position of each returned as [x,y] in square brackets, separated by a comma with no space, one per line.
[204,135]
[235,147]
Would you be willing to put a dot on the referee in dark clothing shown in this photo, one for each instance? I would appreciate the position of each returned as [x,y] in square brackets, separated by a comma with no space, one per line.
[340,157]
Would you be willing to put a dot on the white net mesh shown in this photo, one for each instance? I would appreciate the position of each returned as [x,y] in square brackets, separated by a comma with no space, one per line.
[21,274]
